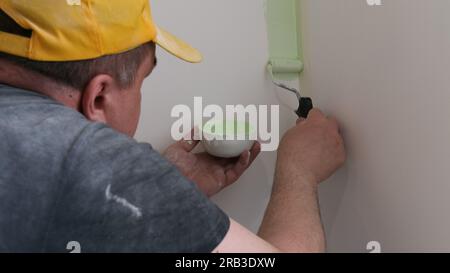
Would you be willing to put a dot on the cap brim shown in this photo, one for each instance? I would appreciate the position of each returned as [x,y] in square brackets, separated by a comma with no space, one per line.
[177,47]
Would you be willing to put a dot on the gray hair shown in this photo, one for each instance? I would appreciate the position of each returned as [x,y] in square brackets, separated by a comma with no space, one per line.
[122,67]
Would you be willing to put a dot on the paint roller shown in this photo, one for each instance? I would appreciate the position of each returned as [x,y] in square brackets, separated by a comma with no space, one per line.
[290,66]
[285,66]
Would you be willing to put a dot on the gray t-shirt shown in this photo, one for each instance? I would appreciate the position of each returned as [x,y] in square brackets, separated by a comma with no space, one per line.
[64,178]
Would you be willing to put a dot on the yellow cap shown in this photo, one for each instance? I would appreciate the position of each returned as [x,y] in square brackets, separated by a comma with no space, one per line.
[69,30]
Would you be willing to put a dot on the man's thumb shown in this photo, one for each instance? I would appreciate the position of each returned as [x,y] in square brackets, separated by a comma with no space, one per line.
[300,120]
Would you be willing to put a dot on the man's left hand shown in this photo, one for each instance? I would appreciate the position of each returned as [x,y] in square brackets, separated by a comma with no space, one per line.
[211,174]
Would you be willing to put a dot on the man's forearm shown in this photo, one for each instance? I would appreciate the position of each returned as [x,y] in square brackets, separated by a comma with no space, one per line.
[292,221]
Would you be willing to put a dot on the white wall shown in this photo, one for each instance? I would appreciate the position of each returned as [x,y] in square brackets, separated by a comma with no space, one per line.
[232,36]
[384,72]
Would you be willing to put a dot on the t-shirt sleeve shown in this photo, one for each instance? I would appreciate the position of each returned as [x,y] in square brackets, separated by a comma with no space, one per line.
[122,196]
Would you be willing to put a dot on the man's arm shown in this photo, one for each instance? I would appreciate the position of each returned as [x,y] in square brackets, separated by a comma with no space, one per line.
[292,220]
[309,153]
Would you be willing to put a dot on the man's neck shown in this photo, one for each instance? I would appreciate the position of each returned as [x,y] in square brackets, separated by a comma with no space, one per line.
[16,76]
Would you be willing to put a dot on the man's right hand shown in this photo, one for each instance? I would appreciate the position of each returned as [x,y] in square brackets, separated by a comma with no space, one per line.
[312,149]
[308,154]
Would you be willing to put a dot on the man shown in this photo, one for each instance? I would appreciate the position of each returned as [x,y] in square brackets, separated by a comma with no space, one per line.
[70,79]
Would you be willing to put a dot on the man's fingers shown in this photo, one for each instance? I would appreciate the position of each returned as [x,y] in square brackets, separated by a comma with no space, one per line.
[300,120]
[317,114]
[245,160]
[236,170]
[334,123]
[188,143]
[254,152]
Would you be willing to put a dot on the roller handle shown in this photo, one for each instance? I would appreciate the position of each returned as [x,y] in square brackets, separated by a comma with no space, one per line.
[305,106]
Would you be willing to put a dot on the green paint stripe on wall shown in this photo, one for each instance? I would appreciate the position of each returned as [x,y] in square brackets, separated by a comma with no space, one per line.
[283,34]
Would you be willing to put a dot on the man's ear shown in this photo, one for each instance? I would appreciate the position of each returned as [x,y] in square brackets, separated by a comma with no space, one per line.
[95,97]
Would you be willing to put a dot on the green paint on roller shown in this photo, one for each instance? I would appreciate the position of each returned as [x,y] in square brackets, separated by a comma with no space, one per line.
[285,66]
[284,46]
[284,49]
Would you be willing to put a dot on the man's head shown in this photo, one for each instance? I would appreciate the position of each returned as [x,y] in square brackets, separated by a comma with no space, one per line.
[105,89]
[84,55]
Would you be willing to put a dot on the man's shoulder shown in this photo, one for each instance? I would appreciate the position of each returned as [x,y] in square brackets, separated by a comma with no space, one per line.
[43,140]
[34,126]
[27,107]
[37,121]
